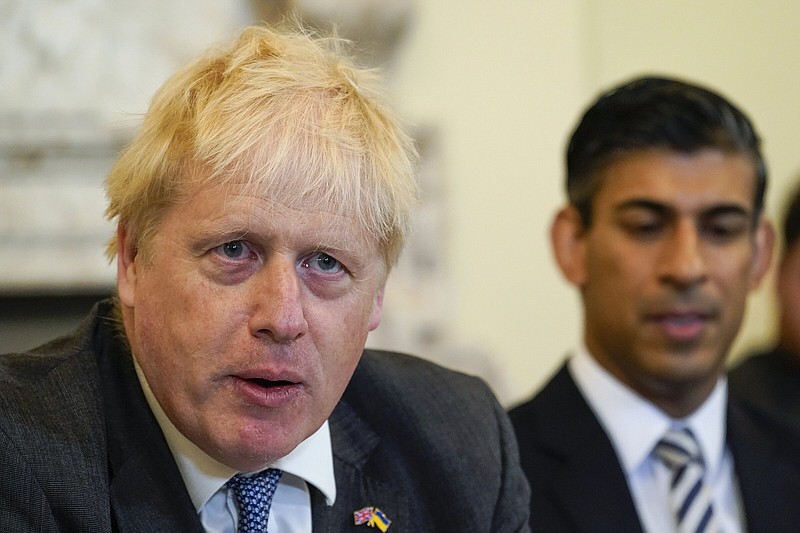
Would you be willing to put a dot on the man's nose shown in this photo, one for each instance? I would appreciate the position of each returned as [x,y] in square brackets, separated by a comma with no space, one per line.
[278,311]
[682,262]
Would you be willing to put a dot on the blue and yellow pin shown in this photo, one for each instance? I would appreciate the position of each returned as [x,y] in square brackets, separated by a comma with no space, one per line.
[373,517]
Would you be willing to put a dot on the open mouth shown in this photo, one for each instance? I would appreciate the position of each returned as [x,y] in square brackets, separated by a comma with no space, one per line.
[269,384]
[267,392]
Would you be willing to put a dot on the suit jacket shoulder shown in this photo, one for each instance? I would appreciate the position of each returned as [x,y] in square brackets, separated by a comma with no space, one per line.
[767,466]
[79,448]
[52,440]
[430,447]
[577,482]
[771,380]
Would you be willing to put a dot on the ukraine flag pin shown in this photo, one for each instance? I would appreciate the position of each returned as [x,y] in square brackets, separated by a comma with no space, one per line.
[373,517]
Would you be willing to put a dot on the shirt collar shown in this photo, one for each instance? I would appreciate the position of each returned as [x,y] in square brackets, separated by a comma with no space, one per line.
[311,460]
[634,425]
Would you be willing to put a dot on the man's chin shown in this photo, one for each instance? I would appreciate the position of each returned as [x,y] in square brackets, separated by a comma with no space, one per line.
[256,449]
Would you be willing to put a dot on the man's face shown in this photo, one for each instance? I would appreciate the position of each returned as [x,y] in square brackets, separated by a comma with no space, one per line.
[665,269]
[249,320]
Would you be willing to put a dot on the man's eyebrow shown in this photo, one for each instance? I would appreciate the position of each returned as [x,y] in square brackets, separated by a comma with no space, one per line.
[725,208]
[642,203]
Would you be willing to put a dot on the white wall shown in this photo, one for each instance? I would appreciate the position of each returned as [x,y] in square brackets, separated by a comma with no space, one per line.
[500,80]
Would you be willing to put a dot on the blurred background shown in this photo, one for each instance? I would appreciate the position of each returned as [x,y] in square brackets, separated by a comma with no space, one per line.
[491,91]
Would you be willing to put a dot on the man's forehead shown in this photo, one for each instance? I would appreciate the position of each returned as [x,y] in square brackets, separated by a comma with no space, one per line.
[702,178]
[234,212]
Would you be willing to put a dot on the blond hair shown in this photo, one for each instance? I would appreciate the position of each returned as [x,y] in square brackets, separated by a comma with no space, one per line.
[284,113]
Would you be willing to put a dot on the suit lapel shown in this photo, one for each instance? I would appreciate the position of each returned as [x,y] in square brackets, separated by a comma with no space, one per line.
[146,488]
[588,483]
[592,489]
[144,499]
[358,482]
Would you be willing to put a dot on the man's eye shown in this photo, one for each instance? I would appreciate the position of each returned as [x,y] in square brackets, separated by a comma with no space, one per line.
[726,230]
[643,228]
[323,262]
[233,250]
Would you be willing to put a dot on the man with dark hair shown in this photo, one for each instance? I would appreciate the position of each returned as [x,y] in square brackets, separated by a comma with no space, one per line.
[664,238]
[771,379]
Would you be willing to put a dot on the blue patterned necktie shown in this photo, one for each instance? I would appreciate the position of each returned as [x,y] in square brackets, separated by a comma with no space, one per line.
[254,498]
[689,497]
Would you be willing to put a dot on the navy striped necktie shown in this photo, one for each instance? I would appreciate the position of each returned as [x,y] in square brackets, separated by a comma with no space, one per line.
[254,498]
[690,499]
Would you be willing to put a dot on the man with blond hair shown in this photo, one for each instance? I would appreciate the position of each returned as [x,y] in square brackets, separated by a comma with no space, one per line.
[226,386]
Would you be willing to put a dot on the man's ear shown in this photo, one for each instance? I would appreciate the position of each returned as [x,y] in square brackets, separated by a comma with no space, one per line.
[567,236]
[377,309]
[126,267]
[763,249]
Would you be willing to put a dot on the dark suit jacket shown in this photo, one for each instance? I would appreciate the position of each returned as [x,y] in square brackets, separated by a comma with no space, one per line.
[771,380]
[578,485]
[81,451]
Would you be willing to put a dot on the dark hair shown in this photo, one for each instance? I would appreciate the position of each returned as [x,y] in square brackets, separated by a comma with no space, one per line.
[656,112]
[791,219]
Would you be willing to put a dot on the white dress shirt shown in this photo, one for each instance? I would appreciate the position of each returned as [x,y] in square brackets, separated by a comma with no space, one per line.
[205,478]
[634,426]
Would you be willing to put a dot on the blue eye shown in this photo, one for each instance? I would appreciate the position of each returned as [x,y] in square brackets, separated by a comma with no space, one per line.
[233,249]
[323,262]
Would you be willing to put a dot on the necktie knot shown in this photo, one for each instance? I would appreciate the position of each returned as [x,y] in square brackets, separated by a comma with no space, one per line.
[254,498]
[677,448]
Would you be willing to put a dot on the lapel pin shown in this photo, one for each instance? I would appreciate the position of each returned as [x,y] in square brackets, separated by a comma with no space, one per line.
[373,517]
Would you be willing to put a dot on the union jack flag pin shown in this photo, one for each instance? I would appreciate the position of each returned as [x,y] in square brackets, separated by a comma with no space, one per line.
[372,517]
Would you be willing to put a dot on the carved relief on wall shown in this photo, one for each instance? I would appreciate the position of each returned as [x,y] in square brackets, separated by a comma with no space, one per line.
[75,75]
